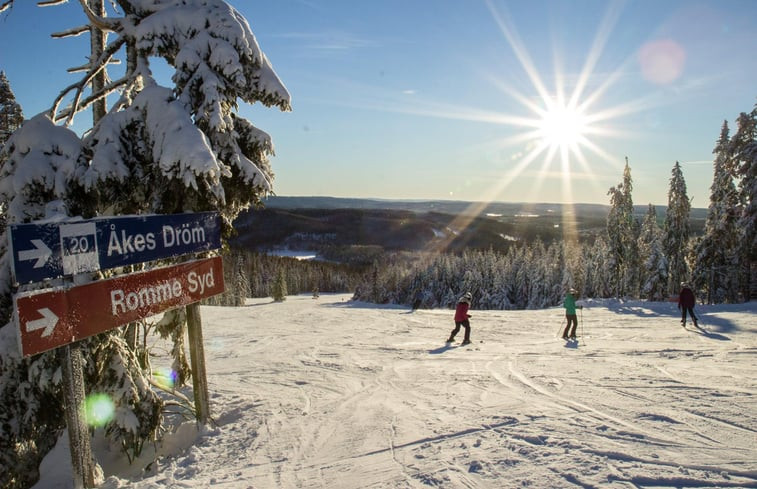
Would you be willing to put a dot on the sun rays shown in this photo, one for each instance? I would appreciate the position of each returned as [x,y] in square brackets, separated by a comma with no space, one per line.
[560,131]
[557,121]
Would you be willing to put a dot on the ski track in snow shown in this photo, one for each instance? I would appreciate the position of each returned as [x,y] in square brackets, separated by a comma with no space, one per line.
[314,393]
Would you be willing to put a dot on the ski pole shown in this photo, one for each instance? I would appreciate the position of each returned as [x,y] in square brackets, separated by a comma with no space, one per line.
[558,331]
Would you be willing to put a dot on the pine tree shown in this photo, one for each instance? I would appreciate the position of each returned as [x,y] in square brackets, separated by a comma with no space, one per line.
[241,282]
[677,230]
[621,233]
[744,154]
[654,283]
[155,150]
[717,259]
[11,115]
[630,237]
[279,291]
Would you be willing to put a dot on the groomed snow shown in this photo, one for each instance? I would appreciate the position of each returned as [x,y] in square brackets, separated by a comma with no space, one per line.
[327,392]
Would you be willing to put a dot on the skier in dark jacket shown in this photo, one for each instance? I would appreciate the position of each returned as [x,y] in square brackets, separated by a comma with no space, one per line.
[462,318]
[686,303]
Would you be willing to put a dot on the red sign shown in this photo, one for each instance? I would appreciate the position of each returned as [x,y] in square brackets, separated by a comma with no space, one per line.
[55,318]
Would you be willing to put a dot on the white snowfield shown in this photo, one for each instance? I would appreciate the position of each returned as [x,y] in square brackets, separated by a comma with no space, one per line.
[331,393]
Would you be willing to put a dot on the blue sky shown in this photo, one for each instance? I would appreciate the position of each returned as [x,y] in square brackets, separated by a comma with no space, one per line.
[454,99]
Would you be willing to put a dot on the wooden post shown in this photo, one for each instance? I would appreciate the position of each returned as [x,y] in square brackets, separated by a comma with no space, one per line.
[82,461]
[197,357]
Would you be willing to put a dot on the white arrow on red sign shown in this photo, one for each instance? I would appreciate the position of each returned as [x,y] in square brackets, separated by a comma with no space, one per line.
[52,318]
[46,322]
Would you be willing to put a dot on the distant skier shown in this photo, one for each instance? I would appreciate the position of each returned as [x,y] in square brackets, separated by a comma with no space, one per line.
[417,301]
[686,303]
[570,313]
[462,318]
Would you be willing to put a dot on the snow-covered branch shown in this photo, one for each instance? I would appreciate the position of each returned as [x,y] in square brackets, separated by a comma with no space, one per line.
[73,32]
[101,23]
[79,87]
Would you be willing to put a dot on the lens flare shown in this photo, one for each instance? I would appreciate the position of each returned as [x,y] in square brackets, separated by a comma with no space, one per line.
[165,378]
[98,410]
[662,62]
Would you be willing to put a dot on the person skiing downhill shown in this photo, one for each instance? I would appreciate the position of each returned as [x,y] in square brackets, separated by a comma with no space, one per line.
[686,303]
[570,313]
[462,318]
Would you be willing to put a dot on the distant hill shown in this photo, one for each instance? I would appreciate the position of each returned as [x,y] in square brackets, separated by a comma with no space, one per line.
[459,207]
[323,223]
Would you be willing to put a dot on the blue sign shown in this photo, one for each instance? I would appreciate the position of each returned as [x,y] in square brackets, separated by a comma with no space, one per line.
[50,250]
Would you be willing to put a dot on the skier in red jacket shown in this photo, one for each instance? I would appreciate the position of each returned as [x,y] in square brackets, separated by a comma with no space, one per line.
[686,303]
[462,318]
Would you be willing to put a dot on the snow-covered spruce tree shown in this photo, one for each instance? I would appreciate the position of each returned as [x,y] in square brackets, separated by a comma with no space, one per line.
[716,271]
[744,154]
[11,118]
[598,278]
[279,290]
[574,269]
[621,236]
[156,150]
[654,277]
[630,237]
[676,230]
[40,160]
[11,115]
[236,280]
[241,282]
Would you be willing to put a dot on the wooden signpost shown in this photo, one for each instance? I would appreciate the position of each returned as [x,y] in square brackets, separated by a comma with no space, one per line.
[60,317]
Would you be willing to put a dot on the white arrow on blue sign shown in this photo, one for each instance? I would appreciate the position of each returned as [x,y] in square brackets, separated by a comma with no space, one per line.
[43,251]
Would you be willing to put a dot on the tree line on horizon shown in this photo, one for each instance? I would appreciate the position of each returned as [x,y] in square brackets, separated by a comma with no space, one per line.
[630,259]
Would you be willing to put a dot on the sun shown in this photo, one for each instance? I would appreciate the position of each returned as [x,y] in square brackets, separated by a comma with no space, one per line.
[556,131]
[562,127]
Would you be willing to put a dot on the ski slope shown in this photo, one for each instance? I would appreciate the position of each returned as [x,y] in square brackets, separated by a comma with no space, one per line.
[331,393]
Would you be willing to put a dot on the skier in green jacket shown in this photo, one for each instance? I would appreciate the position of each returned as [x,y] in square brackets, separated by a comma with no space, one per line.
[570,313]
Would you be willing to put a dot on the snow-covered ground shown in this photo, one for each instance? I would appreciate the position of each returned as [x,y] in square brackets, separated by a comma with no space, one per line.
[330,393]
[297,254]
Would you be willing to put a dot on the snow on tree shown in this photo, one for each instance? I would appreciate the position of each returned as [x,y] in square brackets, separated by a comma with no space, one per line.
[40,160]
[11,115]
[599,280]
[744,153]
[654,265]
[155,150]
[676,230]
[621,234]
[716,273]
[279,291]
[194,150]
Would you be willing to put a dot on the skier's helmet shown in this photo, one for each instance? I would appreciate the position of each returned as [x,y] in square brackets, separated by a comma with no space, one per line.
[467,297]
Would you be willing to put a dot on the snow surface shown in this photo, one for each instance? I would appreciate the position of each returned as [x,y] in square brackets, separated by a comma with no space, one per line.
[328,392]
[297,254]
